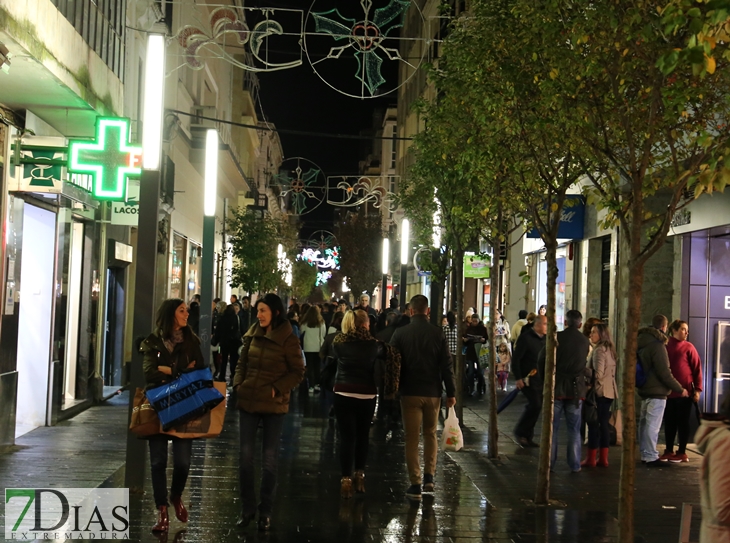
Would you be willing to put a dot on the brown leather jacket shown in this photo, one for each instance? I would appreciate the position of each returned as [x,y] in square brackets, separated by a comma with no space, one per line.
[271,360]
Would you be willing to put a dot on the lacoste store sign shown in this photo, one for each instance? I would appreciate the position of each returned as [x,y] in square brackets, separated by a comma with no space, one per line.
[66,513]
[127,213]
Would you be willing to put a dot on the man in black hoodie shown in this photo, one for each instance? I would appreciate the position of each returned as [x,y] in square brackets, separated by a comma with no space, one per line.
[652,355]
[524,361]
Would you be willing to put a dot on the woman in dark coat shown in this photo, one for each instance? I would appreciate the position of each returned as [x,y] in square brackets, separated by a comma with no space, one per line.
[228,336]
[363,364]
[271,365]
[170,349]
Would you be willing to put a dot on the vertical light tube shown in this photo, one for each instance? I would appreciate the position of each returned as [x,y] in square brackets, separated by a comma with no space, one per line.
[211,172]
[386,255]
[154,96]
[405,232]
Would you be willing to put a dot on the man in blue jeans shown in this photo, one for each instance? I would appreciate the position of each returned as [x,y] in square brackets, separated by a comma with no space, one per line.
[570,365]
[652,355]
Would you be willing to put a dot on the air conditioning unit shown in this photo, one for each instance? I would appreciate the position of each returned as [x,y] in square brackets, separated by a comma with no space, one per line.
[202,116]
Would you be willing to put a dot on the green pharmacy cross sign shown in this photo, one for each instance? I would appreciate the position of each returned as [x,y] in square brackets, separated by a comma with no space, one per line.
[110,159]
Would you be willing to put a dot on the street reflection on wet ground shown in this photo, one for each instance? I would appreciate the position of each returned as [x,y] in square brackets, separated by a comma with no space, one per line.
[309,508]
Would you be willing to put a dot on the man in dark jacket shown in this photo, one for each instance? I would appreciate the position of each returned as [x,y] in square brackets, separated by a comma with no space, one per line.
[527,379]
[425,364]
[386,334]
[570,365]
[652,355]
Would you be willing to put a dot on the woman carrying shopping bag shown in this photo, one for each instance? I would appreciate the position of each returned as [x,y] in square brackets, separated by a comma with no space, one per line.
[170,349]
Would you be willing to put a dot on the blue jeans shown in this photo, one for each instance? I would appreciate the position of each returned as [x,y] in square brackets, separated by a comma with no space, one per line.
[572,410]
[652,412]
[249,424]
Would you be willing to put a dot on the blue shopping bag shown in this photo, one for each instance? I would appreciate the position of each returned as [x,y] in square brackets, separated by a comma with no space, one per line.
[187,397]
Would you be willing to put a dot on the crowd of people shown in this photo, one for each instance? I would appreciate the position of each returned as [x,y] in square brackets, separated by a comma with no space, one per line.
[362,359]
[271,352]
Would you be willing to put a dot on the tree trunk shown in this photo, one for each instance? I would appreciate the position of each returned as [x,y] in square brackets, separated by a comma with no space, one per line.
[542,493]
[457,275]
[628,406]
[495,289]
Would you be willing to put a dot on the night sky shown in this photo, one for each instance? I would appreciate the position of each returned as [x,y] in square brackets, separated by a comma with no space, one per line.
[298,99]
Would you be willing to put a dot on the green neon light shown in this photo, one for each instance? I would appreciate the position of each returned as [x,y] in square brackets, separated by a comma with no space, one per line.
[109,159]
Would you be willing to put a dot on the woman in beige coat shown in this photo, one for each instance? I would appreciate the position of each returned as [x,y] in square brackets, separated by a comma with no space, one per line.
[713,441]
[602,361]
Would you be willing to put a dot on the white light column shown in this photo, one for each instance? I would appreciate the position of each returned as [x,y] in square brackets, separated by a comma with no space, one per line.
[146,264]
[210,197]
[405,234]
[385,266]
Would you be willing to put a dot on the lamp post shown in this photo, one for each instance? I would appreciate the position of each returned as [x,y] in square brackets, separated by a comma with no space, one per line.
[386,257]
[206,275]
[405,233]
[146,259]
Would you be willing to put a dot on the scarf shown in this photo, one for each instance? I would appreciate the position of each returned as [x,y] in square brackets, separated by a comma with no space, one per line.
[391,376]
[175,338]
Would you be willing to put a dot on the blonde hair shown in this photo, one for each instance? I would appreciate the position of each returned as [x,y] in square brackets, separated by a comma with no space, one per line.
[354,319]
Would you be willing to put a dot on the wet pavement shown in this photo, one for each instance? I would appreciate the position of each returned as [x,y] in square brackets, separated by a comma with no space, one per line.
[476,498]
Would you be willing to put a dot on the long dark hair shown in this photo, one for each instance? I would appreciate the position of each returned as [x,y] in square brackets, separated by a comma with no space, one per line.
[278,315]
[166,318]
[605,338]
[451,319]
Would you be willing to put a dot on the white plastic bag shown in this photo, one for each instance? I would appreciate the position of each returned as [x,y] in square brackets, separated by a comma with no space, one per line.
[452,438]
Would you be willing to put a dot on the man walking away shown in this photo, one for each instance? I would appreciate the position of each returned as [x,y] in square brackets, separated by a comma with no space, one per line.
[524,368]
[570,368]
[425,364]
[652,355]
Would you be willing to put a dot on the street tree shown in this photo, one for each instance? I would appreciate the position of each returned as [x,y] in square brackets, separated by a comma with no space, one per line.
[647,107]
[304,279]
[254,246]
[489,64]
[360,235]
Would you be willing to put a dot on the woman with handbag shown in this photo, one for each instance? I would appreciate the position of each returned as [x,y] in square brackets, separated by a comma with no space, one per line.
[271,365]
[602,361]
[170,349]
[363,363]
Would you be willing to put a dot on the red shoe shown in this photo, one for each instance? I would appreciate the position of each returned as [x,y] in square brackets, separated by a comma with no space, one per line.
[163,522]
[666,456]
[677,458]
[590,461]
[180,512]
[603,460]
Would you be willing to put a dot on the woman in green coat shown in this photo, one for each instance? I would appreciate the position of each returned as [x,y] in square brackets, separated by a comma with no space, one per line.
[170,349]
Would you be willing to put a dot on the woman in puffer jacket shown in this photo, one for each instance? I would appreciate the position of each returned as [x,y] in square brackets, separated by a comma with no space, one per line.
[713,441]
[271,365]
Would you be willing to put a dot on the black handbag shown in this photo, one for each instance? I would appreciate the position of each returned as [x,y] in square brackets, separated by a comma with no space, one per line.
[590,404]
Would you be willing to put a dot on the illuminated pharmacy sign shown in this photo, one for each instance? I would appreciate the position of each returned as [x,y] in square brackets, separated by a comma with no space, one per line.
[109,159]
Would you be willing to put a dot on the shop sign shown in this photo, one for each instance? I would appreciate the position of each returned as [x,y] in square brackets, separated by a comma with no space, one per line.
[127,213]
[719,302]
[571,220]
[109,159]
[476,267]
[41,167]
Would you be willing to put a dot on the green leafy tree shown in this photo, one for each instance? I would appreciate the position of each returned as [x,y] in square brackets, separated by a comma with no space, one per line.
[361,236]
[254,242]
[304,278]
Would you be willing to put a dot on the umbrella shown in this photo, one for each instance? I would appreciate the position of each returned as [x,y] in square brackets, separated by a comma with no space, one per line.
[507,400]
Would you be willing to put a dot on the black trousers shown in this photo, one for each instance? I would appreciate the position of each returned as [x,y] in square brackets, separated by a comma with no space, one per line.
[599,434]
[313,368]
[182,450]
[526,425]
[229,357]
[676,420]
[354,417]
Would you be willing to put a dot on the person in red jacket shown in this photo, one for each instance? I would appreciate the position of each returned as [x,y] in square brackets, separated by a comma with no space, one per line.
[684,362]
